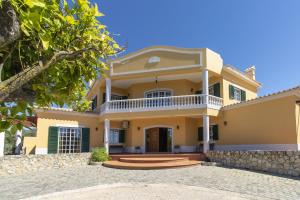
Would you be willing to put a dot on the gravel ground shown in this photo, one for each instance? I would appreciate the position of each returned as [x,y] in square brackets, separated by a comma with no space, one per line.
[257,185]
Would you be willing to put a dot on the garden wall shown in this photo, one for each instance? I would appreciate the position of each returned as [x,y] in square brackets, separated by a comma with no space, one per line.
[279,162]
[31,163]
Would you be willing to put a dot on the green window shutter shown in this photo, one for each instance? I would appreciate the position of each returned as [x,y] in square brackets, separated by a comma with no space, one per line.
[122,136]
[243,95]
[231,91]
[217,91]
[198,92]
[85,140]
[104,97]
[215,132]
[200,133]
[52,139]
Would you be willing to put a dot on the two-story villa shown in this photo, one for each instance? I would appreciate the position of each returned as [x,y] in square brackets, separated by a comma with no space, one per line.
[168,99]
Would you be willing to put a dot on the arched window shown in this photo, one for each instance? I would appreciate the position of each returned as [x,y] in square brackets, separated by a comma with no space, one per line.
[158,93]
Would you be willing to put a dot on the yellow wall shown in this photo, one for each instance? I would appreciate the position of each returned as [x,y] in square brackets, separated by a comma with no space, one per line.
[54,119]
[270,122]
[135,136]
[298,121]
[30,144]
[167,59]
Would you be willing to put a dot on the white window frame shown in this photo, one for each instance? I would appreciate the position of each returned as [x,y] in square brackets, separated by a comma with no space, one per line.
[237,93]
[111,142]
[158,90]
[64,150]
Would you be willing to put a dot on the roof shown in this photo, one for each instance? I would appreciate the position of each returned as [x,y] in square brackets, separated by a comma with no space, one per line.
[158,47]
[65,111]
[279,94]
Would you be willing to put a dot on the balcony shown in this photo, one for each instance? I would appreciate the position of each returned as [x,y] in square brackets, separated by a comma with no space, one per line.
[162,103]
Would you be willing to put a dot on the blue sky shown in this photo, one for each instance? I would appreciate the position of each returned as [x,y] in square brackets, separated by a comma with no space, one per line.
[264,33]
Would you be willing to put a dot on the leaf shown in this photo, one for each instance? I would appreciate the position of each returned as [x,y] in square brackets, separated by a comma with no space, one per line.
[31,3]
[70,19]
[4,125]
[45,41]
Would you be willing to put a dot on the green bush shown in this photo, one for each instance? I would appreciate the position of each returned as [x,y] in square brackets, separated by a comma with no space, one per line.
[100,155]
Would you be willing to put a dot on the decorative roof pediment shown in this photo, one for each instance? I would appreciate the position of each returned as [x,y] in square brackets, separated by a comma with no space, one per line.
[155,59]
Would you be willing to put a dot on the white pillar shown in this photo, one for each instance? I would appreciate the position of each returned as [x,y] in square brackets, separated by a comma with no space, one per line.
[108,89]
[205,90]
[18,142]
[106,134]
[2,139]
[205,133]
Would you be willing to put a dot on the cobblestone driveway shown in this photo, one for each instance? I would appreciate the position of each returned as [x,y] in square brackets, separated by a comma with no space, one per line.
[226,179]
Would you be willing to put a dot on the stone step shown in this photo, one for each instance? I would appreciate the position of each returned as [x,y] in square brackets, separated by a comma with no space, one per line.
[190,156]
[152,159]
[148,166]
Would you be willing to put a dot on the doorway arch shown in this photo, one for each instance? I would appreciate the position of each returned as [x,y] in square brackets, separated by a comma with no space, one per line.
[158,139]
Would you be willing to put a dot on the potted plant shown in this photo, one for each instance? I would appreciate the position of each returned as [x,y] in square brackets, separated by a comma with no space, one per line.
[176,148]
[99,155]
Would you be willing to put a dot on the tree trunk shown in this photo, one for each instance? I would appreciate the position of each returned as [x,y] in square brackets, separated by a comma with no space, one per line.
[9,24]
[18,142]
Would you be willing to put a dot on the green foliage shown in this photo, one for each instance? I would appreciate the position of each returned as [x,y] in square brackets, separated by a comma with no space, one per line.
[100,155]
[49,27]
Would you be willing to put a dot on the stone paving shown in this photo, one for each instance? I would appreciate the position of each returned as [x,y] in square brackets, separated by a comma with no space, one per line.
[257,185]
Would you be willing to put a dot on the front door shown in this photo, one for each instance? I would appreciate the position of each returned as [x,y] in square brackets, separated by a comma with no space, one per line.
[158,140]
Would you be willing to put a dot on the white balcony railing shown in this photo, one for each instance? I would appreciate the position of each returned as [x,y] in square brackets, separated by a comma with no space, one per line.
[162,103]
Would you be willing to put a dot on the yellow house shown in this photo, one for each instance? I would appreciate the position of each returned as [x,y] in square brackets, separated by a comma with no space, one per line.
[169,99]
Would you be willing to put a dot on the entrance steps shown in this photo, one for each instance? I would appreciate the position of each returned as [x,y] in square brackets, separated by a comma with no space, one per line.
[153,161]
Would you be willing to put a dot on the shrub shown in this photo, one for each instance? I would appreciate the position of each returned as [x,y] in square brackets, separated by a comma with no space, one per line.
[100,155]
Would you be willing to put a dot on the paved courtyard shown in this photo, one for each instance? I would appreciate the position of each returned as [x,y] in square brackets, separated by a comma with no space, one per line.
[191,183]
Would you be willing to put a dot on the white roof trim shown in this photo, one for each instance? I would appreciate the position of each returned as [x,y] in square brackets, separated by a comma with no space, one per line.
[65,112]
[157,70]
[167,49]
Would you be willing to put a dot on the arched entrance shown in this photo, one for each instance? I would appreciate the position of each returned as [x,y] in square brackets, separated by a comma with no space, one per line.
[158,140]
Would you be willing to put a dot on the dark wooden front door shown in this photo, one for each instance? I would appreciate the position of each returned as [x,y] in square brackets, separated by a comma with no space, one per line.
[152,140]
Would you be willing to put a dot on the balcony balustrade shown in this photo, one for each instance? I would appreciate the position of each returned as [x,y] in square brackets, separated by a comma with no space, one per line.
[162,103]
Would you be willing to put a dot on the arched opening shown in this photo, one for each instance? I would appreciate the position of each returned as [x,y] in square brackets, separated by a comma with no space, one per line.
[158,140]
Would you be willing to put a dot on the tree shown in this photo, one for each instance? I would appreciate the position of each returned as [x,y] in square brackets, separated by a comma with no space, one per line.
[49,50]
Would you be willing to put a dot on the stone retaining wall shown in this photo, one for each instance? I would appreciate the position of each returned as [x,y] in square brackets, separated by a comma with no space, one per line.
[279,162]
[28,163]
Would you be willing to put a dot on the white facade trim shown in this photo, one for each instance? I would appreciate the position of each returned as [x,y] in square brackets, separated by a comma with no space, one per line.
[158,126]
[238,73]
[187,149]
[157,70]
[70,125]
[61,112]
[166,49]
[2,140]
[258,147]
[41,151]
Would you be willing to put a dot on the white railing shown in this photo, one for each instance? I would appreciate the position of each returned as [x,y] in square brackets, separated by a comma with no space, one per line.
[162,103]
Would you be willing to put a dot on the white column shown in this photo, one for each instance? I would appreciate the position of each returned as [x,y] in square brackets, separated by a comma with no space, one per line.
[106,134]
[18,142]
[205,85]
[2,138]
[108,89]
[205,133]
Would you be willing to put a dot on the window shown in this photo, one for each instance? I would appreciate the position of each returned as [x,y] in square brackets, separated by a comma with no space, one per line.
[158,93]
[237,93]
[158,102]
[94,103]
[213,133]
[115,97]
[211,90]
[116,136]
[69,140]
